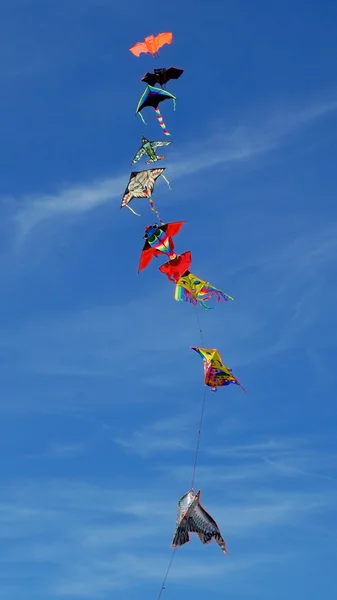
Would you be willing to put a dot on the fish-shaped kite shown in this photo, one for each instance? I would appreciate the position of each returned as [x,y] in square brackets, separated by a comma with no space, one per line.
[152,44]
[141,185]
[192,518]
[161,76]
[215,371]
[177,267]
[159,241]
[149,148]
[152,96]
[195,290]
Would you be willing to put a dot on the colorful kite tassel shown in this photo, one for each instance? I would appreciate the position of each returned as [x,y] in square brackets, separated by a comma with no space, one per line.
[161,122]
[181,294]
[154,210]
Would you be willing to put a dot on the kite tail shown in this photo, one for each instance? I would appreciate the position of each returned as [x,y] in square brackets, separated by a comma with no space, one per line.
[142,118]
[161,122]
[167,181]
[208,291]
[241,386]
[154,210]
[133,211]
[183,295]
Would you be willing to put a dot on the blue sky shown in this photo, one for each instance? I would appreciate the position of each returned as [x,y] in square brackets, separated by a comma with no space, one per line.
[100,394]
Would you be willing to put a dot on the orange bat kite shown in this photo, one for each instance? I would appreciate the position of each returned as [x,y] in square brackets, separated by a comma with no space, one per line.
[152,44]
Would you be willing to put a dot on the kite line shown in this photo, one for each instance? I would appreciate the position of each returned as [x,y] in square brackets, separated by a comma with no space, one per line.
[163,588]
[188,287]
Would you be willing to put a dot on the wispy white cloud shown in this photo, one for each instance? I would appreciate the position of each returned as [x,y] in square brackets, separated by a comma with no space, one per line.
[74,528]
[166,435]
[266,460]
[59,451]
[242,144]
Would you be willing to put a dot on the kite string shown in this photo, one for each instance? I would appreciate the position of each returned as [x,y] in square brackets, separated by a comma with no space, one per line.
[199,324]
[196,456]
[162,589]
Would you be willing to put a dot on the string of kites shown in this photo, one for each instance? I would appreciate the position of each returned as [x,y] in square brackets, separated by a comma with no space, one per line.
[191,516]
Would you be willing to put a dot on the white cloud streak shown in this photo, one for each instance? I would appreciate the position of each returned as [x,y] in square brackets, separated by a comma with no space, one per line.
[240,145]
[74,527]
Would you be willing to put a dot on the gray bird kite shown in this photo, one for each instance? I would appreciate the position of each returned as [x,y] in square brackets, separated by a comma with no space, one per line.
[192,518]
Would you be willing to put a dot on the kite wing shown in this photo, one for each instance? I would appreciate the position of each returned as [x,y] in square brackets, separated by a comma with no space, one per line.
[152,96]
[173,228]
[138,155]
[162,75]
[173,73]
[146,257]
[138,48]
[200,522]
[210,355]
[149,78]
[163,38]
[159,144]
[181,534]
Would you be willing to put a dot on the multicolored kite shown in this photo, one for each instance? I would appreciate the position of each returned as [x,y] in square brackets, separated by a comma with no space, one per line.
[141,185]
[162,76]
[190,288]
[159,241]
[215,371]
[192,518]
[149,148]
[152,44]
[152,96]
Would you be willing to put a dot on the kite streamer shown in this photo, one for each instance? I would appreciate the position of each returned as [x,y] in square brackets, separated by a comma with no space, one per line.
[195,290]
[161,122]
[154,210]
